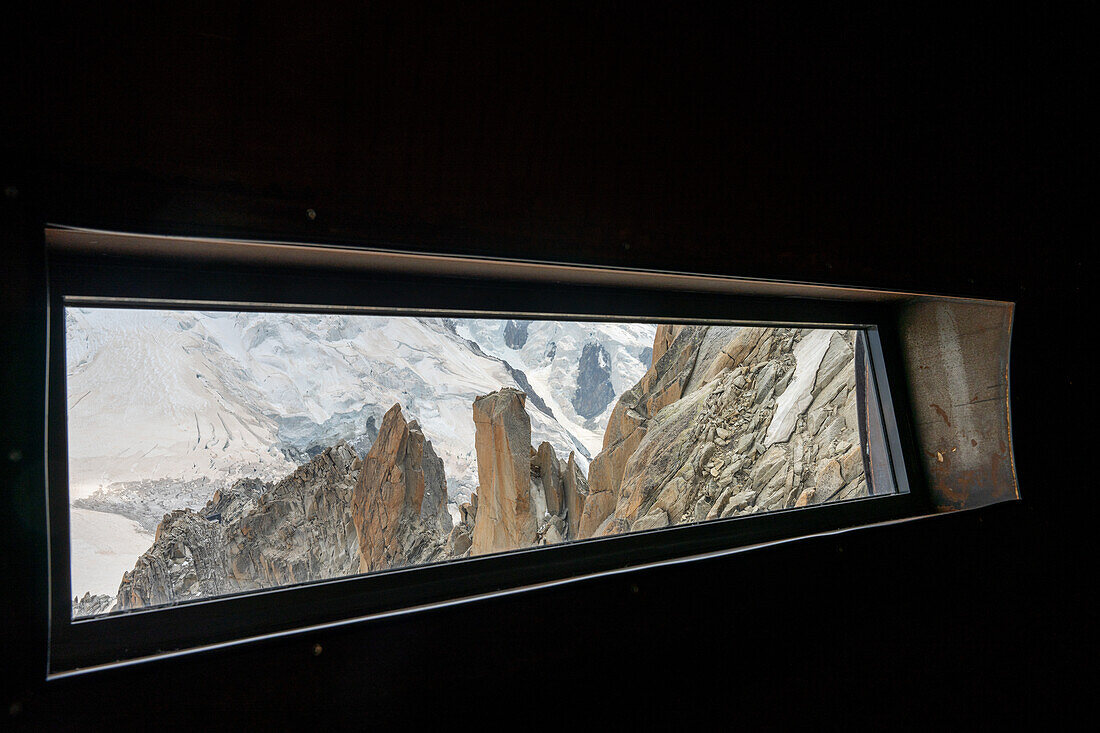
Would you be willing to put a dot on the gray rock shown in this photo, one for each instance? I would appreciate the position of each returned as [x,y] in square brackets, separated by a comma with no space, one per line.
[296,530]
[91,605]
[702,507]
[515,334]
[594,390]
[829,479]
[654,520]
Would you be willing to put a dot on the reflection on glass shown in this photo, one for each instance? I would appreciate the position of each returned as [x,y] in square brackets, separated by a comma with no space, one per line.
[213,453]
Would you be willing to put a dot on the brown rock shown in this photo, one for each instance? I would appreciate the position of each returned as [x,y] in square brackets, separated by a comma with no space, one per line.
[664,337]
[400,498]
[546,467]
[459,541]
[829,479]
[507,518]
[804,498]
[674,355]
[654,520]
[851,464]
[688,440]
[735,351]
[605,475]
[576,494]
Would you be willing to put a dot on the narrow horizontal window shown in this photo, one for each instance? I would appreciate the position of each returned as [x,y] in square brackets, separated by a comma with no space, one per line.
[218,452]
[239,449]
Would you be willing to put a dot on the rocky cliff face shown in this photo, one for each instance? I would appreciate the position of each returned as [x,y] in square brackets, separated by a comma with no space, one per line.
[301,530]
[332,517]
[515,333]
[508,509]
[729,421]
[594,390]
[525,495]
[673,362]
[399,506]
[91,605]
[253,535]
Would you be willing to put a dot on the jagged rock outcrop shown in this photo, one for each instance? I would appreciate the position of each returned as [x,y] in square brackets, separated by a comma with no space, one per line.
[565,488]
[509,505]
[575,489]
[729,421]
[91,605]
[301,530]
[253,535]
[666,334]
[461,538]
[334,516]
[675,349]
[399,506]
[525,495]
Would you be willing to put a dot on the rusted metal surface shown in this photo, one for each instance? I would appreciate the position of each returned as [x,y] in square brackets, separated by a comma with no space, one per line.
[957,367]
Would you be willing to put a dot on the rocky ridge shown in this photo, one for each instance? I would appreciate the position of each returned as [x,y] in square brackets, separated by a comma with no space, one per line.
[728,421]
[525,496]
[333,517]
[253,535]
[399,506]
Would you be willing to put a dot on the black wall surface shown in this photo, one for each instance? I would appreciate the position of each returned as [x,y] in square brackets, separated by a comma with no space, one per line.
[934,152]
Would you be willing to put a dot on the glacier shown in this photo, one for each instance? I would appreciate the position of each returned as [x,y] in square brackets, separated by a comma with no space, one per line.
[164,406]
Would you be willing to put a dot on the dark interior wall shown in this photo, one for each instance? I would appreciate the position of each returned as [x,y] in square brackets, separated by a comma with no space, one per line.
[890,148]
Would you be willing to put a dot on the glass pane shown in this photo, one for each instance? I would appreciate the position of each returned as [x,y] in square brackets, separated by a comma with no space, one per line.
[220,452]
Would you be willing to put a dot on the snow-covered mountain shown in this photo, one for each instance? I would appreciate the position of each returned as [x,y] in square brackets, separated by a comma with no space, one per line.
[579,368]
[152,395]
[165,406]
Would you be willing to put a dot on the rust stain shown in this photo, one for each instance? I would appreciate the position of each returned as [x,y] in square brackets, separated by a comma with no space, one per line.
[954,489]
[995,462]
[950,494]
[973,442]
[941,413]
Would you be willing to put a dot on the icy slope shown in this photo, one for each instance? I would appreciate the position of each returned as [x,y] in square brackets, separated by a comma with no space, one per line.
[570,364]
[104,546]
[151,396]
[166,406]
[188,396]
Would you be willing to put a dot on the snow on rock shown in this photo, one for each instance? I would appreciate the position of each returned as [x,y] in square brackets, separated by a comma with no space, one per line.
[192,395]
[151,395]
[797,397]
[551,355]
[166,406]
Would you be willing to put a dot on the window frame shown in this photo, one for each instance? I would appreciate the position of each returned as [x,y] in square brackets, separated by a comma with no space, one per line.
[165,280]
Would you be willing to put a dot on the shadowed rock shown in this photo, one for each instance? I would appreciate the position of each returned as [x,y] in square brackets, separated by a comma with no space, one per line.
[515,334]
[252,536]
[594,390]
[575,489]
[91,605]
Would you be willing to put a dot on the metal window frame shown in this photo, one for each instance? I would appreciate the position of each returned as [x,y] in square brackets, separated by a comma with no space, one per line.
[112,269]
